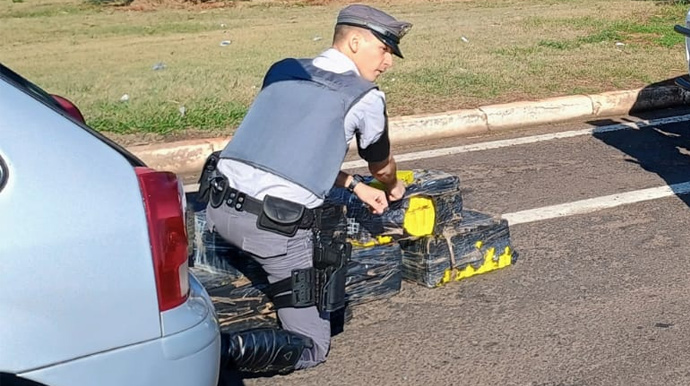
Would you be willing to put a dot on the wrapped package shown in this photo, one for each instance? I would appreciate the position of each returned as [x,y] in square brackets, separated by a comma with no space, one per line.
[432,201]
[373,273]
[211,252]
[234,281]
[479,243]
[240,304]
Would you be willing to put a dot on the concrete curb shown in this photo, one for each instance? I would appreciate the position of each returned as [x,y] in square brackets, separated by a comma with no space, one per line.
[189,156]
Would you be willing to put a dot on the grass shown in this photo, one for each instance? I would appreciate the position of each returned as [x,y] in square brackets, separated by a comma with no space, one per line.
[512,50]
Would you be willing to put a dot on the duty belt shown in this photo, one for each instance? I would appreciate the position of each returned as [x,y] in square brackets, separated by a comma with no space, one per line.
[223,194]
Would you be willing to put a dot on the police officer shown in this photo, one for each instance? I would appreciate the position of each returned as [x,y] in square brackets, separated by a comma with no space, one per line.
[282,161]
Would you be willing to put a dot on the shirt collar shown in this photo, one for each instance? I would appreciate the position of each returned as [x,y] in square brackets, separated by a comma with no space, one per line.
[341,59]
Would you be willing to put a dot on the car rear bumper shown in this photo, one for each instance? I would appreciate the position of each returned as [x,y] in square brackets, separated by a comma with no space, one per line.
[190,357]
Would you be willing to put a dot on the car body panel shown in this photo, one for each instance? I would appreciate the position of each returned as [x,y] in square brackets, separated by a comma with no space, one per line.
[187,358]
[190,313]
[75,260]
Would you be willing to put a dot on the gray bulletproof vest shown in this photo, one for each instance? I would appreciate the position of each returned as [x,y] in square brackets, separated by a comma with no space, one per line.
[295,127]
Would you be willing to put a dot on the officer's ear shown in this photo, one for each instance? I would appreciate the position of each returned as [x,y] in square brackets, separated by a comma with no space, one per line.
[354,41]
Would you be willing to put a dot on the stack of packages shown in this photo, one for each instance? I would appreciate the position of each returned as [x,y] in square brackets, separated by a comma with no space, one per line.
[439,240]
[427,238]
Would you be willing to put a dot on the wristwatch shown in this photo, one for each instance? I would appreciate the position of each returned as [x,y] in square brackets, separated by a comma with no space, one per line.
[356,179]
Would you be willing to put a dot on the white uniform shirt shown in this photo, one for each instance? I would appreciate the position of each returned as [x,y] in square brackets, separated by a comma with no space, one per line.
[366,117]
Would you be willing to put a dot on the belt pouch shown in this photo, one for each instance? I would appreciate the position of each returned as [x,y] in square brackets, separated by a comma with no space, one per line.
[280,216]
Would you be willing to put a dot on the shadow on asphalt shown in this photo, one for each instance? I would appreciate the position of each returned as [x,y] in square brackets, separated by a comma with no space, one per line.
[660,149]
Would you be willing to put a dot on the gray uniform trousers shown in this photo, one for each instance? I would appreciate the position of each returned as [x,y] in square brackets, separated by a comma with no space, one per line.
[278,255]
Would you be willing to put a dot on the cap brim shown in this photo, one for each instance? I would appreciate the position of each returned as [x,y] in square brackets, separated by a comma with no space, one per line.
[390,43]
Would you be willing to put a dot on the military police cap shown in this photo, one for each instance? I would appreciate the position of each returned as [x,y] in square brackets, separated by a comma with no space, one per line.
[384,26]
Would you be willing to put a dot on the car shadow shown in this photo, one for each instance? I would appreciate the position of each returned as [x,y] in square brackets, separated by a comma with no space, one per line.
[655,142]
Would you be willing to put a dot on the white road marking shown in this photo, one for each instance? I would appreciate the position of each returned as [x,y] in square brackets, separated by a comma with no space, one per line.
[595,204]
[524,140]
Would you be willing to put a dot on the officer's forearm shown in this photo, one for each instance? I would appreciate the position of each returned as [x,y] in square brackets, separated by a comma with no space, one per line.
[385,172]
[343,179]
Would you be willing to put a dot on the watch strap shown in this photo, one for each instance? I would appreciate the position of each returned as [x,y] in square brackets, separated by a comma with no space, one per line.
[356,179]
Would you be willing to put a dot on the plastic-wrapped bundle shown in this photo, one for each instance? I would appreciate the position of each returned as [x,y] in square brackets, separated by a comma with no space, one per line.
[432,201]
[234,281]
[373,273]
[210,251]
[479,243]
[241,305]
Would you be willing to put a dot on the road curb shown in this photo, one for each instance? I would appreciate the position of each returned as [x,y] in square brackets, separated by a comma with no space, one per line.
[189,156]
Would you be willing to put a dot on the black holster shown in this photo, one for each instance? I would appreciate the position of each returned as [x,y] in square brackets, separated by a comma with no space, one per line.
[208,173]
[330,271]
[322,286]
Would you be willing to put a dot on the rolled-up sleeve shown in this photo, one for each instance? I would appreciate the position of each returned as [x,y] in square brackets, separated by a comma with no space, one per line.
[366,121]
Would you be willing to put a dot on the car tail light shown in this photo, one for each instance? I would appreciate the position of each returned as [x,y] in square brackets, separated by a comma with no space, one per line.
[69,107]
[167,233]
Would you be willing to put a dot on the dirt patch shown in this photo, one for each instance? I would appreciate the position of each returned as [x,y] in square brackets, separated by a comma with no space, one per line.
[150,5]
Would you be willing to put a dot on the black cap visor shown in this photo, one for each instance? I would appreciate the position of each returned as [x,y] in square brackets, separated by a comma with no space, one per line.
[387,40]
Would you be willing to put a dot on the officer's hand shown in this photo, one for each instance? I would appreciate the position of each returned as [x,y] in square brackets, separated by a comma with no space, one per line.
[374,198]
[397,192]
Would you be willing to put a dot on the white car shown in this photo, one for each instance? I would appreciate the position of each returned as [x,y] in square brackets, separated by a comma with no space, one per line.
[94,281]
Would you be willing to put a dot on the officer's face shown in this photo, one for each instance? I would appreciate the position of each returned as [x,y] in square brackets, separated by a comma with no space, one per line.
[372,58]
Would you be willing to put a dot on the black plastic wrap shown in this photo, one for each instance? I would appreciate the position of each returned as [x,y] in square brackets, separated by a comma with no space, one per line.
[240,304]
[210,251]
[479,243]
[234,281]
[365,228]
[374,273]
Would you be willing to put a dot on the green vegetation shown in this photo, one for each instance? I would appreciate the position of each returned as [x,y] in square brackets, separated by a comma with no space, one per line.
[460,54]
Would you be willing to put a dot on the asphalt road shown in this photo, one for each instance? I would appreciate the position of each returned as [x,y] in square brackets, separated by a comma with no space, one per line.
[596,298]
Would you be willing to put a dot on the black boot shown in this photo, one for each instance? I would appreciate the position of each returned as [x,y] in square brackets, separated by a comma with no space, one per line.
[263,350]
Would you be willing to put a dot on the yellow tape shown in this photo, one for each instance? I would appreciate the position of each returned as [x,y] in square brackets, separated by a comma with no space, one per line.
[420,217]
[446,277]
[491,263]
[406,176]
[379,240]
